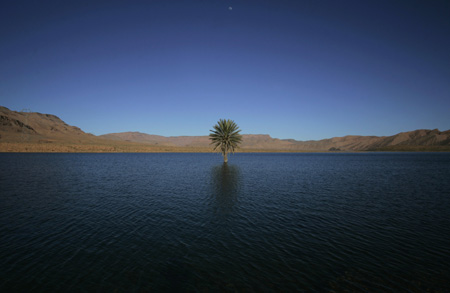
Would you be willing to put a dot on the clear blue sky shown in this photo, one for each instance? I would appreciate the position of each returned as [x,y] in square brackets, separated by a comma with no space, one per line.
[291,69]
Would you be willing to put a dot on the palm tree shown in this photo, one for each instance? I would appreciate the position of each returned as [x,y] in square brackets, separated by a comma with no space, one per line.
[226,137]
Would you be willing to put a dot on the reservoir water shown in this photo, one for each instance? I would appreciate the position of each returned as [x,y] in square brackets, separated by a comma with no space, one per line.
[263,222]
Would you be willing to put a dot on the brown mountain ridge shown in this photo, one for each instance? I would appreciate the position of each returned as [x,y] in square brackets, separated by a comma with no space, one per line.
[36,132]
[422,139]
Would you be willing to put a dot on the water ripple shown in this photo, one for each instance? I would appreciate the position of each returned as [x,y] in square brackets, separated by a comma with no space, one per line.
[263,222]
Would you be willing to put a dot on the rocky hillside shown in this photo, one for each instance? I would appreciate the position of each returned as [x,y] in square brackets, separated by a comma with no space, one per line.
[21,128]
[17,126]
[414,140]
[36,132]
[417,139]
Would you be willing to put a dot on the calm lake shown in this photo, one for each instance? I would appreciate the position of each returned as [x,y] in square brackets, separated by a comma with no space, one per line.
[186,222]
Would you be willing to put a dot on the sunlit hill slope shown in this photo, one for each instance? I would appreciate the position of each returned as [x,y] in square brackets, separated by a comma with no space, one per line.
[36,132]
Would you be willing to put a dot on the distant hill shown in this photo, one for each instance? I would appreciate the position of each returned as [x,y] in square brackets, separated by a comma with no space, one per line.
[408,141]
[23,131]
[180,141]
[19,126]
[413,140]
[36,132]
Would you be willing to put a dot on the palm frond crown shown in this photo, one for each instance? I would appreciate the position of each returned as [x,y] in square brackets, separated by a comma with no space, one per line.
[225,136]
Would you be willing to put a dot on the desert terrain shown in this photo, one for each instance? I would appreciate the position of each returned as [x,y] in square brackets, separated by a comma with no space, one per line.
[37,132]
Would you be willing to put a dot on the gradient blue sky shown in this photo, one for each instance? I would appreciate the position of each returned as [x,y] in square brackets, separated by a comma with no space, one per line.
[291,69]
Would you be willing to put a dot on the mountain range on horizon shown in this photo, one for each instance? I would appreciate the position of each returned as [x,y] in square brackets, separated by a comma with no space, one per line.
[46,132]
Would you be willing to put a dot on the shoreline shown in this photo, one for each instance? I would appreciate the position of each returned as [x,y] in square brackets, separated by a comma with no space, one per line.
[83,146]
[11,147]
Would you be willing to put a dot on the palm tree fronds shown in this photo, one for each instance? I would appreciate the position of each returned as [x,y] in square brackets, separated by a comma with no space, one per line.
[225,135]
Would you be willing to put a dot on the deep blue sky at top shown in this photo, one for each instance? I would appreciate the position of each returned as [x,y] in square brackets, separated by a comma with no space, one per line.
[291,69]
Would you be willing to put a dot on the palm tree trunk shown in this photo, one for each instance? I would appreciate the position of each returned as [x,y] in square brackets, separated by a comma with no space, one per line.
[225,158]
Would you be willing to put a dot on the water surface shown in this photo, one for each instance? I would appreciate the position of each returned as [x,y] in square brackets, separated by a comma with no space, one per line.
[263,222]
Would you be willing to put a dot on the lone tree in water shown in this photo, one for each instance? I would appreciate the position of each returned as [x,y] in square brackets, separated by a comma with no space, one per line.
[225,137]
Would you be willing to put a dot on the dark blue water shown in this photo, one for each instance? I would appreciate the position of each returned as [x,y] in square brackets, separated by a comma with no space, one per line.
[186,222]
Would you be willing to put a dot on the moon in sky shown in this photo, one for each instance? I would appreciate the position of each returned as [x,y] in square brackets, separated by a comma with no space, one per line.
[230,8]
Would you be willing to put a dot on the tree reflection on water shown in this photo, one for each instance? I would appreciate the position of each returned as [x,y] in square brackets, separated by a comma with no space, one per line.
[226,182]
